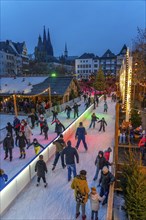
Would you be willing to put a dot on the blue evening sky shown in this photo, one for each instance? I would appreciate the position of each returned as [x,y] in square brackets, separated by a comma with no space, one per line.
[86,26]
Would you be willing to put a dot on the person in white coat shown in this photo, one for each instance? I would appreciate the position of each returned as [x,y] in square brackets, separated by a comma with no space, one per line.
[94,202]
[28,132]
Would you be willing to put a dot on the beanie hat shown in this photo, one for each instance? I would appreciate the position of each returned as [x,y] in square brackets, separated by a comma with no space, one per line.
[69,143]
[100,152]
[105,170]
[83,172]
[109,149]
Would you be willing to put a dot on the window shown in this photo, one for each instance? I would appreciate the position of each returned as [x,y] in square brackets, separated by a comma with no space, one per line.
[86,65]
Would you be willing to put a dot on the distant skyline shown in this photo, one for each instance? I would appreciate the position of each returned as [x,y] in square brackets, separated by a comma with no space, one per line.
[86,26]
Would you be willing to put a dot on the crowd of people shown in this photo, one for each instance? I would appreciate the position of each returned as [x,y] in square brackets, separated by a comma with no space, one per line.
[68,154]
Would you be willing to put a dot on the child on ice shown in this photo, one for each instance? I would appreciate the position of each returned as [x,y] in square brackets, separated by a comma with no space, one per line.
[36,145]
[41,169]
[3,178]
[94,202]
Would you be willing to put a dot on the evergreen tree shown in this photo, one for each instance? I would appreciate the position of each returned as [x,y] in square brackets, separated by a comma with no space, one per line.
[135,118]
[133,183]
[99,83]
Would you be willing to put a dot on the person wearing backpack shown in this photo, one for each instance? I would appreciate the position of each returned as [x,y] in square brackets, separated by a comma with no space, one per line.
[81,191]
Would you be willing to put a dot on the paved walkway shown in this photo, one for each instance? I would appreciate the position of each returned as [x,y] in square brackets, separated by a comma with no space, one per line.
[57,201]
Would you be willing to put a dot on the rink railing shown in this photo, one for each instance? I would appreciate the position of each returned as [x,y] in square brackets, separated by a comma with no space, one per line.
[48,113]
[15,185]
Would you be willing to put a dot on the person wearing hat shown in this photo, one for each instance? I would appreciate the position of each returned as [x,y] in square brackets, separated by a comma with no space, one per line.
[42,122]
[3,178]
[100,162]
[9,128]
[81,191]
[41,169]
[107,153]
[95,198]
[106,179]
[36,145]
[21,141]
[8,145]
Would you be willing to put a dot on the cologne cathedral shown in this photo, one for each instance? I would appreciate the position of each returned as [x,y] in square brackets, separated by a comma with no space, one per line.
[44,50]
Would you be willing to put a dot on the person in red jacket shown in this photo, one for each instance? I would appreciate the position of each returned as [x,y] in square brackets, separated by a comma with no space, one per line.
[107,153]
[142,143]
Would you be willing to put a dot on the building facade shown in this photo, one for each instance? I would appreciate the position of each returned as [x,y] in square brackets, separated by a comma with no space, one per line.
[88,64]
[13,58]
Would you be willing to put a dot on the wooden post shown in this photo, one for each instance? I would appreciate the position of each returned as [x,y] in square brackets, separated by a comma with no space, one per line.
[15,105]
[116,133]
[50,96]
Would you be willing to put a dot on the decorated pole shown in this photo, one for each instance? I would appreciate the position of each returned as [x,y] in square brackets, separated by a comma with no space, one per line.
[15,105]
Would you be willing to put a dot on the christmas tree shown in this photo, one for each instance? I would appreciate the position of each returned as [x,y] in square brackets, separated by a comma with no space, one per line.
[99,83]
[133,183]
[135,119]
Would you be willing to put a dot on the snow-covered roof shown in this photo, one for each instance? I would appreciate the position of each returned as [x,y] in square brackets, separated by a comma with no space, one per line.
[19,84]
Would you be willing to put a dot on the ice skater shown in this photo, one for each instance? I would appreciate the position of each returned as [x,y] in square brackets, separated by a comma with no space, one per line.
[41,169]
[102,124]
[80,136]
[36,145]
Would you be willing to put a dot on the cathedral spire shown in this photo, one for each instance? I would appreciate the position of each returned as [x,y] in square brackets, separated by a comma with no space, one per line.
[44,36]
[49,45]
[65,51]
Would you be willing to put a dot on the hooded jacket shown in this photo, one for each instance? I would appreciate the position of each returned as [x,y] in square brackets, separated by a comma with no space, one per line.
[8,142]
[60,144]
[41,168]
[80,182]
[94,201]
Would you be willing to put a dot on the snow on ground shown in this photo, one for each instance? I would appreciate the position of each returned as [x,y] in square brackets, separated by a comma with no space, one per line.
[57,201]
[19,84]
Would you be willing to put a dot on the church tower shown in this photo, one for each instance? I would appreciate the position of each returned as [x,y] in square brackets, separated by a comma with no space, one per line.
[65,51]
[44,50]
[49,45]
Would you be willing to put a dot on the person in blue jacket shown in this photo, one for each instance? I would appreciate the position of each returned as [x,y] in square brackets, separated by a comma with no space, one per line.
[3,179]
[80,135]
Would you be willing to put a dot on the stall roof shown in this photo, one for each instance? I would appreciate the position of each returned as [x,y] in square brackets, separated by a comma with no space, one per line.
[34,85]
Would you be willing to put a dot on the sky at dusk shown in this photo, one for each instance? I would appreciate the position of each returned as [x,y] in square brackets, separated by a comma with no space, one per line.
[86,26]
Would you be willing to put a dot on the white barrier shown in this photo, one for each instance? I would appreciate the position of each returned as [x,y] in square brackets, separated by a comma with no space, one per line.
[21,179]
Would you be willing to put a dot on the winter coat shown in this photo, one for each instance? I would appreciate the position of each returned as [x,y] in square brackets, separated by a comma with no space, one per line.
[3,179]
[60,144]
[102,122]
[21,141]
[94,118]
[107,155]
[36,144]
[142,142]
[16,123]
[106,180]
[45,128]
[80,132]
[32,117]
[70,154]
[94,201]
[100,162]
[8,143]
[105,106]
[9,128]
[41,168]
[80,183]
[76,107]
[28,132]
[59,128]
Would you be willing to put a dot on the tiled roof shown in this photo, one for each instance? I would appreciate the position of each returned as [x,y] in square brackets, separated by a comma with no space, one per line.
[123,50]
[4,46]
[87,56]
[108,54]
[19,47]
